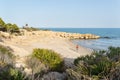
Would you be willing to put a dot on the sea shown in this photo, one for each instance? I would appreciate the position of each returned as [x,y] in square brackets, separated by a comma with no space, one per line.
[109,37]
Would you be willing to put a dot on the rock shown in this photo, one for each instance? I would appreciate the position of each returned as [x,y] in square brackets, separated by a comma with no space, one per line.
[1,40]
[77,36]
[54,76]
[106,37]
[27,71]
[73,75]
[4,34]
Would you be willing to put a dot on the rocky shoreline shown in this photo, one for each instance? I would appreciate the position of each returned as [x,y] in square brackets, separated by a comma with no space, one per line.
[77,35]
[66,35]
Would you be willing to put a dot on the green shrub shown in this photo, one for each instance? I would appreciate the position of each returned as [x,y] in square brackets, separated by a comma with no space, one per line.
[2,25]
[10,73]
[12,28]
[7,70]
[31,28]
[114,53]
[99,65]
[6,50]
[38,69]
[49,58]
[6,56]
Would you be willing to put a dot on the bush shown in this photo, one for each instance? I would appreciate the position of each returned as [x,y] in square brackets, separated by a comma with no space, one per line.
[2,25]
[7,70]
[6,56]
[37,68]
[103,65]
[11,73]
[49,58]
[76,75]
[12,28]
[31,29]
[6,50]
[113,53]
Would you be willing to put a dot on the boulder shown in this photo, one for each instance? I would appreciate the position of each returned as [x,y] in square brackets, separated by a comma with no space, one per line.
[54,76]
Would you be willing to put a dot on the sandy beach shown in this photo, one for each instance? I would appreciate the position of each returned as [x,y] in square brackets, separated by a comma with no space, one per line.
[24,45]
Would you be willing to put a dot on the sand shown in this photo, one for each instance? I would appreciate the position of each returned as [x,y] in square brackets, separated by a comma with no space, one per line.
[24,45]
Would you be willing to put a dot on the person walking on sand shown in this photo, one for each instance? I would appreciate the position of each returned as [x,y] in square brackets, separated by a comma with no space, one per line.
[77,47]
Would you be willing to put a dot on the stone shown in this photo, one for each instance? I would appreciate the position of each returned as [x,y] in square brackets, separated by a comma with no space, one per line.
[54,76]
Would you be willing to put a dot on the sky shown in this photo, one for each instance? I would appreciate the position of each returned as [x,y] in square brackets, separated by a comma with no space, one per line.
[62,13]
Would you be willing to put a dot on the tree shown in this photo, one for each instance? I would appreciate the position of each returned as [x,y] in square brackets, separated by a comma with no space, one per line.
[15,28]
[2,23]
[11,28]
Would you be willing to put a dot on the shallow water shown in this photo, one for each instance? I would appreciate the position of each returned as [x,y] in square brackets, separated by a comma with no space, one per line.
[102,43]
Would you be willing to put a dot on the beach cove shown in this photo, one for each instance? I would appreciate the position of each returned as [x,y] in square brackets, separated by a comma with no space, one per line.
[29,47]
[59,42]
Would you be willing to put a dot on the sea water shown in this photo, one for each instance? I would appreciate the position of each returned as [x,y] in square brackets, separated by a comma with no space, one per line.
[112,37]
